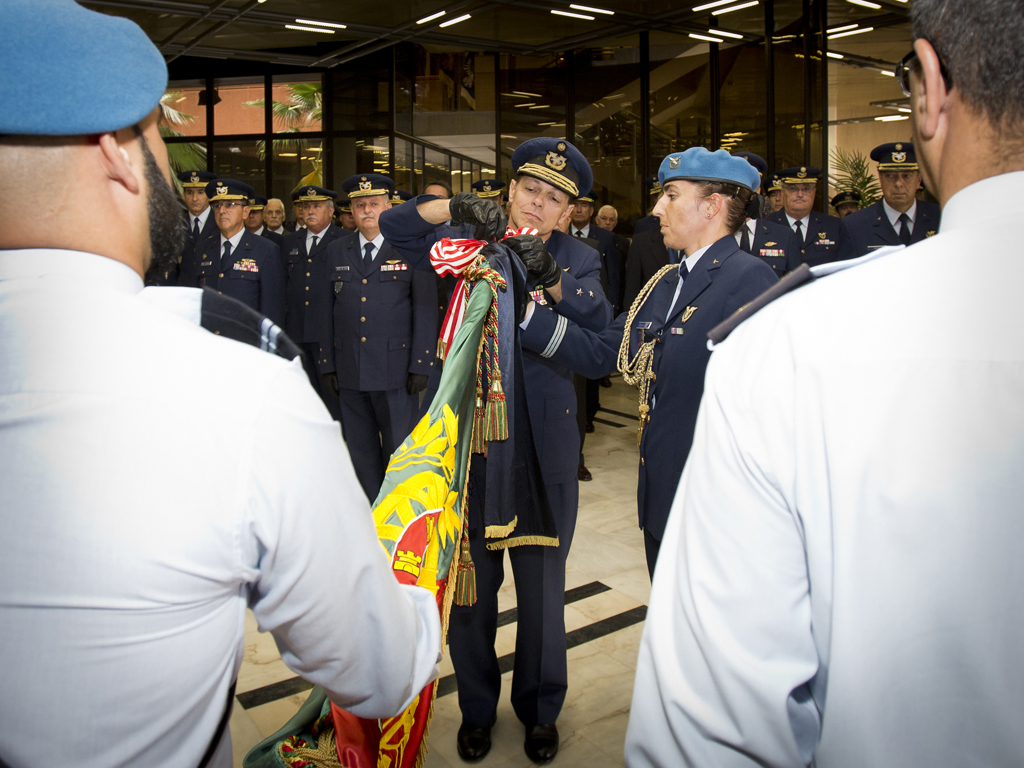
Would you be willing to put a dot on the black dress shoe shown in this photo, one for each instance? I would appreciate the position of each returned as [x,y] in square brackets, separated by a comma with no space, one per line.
[583,474]
[590,427]
[474,743]
[606,382]
[541,743]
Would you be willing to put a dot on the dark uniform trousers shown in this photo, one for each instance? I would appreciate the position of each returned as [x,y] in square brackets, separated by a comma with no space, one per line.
[723,280]
[307,300]
[252,273]
[539,679]
[824,241]
[380,326]
[870,228]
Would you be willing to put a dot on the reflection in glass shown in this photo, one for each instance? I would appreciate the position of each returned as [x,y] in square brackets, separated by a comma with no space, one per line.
[183,115]
[680,95]
[436,167]
[240,160]
[532,98]
[297,104]
[403,176]
[238,106]
[744,111]
[361,87]
[354,155]
[297,162]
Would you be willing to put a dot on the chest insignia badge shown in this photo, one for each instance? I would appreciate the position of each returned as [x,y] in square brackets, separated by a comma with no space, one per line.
[688,313]
[770,243]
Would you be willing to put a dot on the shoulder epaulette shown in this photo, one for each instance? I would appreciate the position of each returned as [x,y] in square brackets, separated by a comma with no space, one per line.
[798,277]
[232,319]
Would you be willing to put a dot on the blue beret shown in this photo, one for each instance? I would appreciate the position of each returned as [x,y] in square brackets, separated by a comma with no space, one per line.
[801,175]
[488,187]
[310,193]
[845,197]
[230,189]
[755,160]
[257,202]
[898,156]
[68,71]
[196,179]
[555,161]
[698,164]
[367,184]
[399,196]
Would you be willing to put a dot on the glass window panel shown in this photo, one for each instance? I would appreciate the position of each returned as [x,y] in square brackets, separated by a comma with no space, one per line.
[362,94]
[436,167]
[238,106]
[297,104]
[183,115]
[355,154]
[608,114]
[680,95]
[403,176]
[242,161]
[296,162]
[531,94]
[743,107]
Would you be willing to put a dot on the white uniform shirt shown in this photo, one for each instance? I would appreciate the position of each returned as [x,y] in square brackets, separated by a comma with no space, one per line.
[202,217]
[841,575]
[894,215]
[155,479]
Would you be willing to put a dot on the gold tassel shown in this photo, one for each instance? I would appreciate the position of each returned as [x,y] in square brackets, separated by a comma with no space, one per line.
[478,443]
[465,579]
[442,349]
[496,412]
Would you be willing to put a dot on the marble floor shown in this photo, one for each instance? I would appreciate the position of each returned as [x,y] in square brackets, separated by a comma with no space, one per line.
[606,600]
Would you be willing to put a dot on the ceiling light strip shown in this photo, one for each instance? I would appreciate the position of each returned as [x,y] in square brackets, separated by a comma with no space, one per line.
[591,9]
[707,38]
[573,15]
[455,20]
[309,29]
[321,23]
[431,17]
[732,8]
[851,32]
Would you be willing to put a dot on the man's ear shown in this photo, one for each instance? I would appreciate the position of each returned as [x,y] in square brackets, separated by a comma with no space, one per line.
[117,163]
[930,95]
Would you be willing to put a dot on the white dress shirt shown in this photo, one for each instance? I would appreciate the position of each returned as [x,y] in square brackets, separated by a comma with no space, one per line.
[841,574]
[279,231]
[259,232]
[894,215]
[575,232]
[751,225]
[319,236]
[378,243]
[805,224]
[157,479]
[691,262]
[202,220]
[235,239]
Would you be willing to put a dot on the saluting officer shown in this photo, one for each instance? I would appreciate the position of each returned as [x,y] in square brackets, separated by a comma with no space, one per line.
[899,217]
[238,263]
[772,243]
[846,203]
[703,204]
[550,174]
[305,259]
[255,223]
[380,334]
[821,238]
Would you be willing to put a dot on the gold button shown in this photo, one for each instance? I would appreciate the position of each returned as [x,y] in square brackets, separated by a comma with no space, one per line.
[362,319]
[642,461]
[307,287]
[307,274]
[364,281]
[221,275]
[217,332]
[307,303]
[363,338]
[567,410]
[309,260]
[419,361]
[363,299]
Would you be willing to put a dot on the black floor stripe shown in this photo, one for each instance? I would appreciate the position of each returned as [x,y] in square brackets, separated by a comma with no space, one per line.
[269,693]
[608,423]
[447,684]
[293,685]
[632,416]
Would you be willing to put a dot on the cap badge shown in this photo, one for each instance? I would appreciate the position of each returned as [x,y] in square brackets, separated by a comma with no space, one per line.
[555,160]
[487,186]
[364,184]
[561,146]
[802,173]
[899,146]
[310,191]
[221,190]
[673,162]
[899,157]
[195,178]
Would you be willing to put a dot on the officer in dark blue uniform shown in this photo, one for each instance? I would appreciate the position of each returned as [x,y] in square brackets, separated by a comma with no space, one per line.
[846,203]
[583,226]
[399,196]
[343,214]
[550,174]
[308,292]
[199,222]
[822,238]
[899,217]
[255,222]
[490,189]
[772,243]
[235,261]
[774,193]
[380,334]
[649,222]
[703,204]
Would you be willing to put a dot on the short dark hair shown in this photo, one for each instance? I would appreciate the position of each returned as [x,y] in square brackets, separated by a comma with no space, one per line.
[443,184]
[735,198]
[981,43]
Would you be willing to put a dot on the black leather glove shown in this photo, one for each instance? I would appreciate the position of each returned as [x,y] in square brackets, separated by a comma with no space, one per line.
[331,380]
[486,216]
[541,267]
[416,383]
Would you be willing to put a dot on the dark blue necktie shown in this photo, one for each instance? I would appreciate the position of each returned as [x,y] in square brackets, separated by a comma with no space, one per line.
[226,259]
[904,229]
[799,231]
[195,230]
[368,251]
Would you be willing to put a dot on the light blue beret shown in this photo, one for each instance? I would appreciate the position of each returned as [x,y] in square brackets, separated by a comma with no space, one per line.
[68,71]
[698,164]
